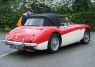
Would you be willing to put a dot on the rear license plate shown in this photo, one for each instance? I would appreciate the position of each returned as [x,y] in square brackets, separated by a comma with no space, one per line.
[16,46]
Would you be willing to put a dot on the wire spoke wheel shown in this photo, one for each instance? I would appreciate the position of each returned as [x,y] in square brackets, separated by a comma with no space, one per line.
[86,37]
[54,43]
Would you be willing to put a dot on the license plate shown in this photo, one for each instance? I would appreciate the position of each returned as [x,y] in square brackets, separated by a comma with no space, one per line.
[16,46]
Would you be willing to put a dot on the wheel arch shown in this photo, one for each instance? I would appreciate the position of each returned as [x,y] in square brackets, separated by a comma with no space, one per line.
[87,28]
[57,34]
[49,48]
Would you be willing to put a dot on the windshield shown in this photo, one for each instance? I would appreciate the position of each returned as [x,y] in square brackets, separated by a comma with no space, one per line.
[63,19]
[34,22]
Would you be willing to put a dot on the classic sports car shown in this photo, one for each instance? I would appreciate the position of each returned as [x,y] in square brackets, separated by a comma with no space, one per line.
[47,32]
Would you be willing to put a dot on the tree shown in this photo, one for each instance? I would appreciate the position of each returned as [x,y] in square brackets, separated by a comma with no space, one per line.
[40,7]
[8,17]
[81,5]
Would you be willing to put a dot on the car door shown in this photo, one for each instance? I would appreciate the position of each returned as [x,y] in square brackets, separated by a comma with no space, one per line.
[71,32]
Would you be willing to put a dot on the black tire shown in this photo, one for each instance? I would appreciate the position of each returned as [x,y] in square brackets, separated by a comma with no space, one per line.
[86,37]
[54,40]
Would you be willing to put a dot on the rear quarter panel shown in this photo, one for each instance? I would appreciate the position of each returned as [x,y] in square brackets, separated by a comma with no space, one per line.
[45,34]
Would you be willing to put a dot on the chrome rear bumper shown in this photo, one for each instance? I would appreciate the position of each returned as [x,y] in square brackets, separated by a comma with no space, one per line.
[19,45]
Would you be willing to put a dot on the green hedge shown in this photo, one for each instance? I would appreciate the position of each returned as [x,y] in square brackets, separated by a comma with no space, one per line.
[9,18]
[84,18]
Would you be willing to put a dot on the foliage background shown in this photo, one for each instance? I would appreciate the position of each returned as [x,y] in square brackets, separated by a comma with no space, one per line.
[79,11]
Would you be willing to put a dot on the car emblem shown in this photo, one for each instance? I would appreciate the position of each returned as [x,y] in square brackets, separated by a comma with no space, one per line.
[16,37]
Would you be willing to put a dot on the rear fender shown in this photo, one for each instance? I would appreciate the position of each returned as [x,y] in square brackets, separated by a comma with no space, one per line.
[44,35]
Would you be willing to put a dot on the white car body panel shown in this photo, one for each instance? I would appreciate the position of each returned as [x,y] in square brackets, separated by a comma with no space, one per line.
[72,37]
[42,46]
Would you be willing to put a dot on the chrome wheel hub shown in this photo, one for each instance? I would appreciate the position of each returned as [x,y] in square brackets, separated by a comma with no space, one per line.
[54,43]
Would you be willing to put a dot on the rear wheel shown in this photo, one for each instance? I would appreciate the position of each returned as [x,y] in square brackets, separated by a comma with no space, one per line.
[54,43]
[86,37]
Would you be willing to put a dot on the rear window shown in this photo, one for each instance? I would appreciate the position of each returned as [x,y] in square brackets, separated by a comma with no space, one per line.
[34,22]
[39,22]
[64,21]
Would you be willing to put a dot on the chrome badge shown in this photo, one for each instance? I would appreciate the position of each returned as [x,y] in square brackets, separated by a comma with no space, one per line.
[16,37]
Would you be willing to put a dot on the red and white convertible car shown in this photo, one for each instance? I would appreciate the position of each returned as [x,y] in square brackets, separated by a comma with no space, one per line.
[47,32]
